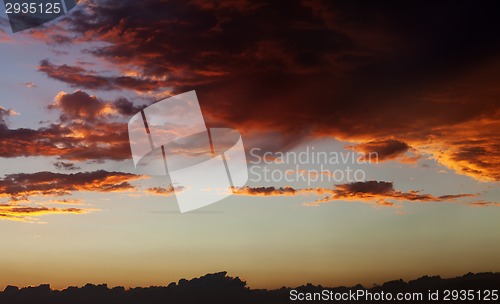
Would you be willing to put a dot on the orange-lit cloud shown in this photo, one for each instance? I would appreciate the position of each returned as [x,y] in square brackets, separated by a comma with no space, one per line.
[386,150]
[86,130]
[32,214]
[21,186]
[268,191]
[80,105]
[161,191]
[25,189]
[65,201]
[81,78]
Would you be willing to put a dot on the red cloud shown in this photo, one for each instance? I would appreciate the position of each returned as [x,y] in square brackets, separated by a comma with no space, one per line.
[371,76]
[88,129]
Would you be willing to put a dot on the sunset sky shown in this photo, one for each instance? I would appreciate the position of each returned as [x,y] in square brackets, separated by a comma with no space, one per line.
[415,83]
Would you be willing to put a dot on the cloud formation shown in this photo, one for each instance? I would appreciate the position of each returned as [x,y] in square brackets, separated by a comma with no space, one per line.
[79,77]
[31,214]
[483,203]
[80,105]
[25,189]
[386,150]
[4,113]
[89,128]
[161,190]
[380,77]
[20,186]
[379,193]
[66,166]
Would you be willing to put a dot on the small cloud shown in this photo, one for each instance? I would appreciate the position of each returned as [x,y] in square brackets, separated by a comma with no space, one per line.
[66,201]
[77,76]
[29,214]
[5,113]
[163,191]
[390,149]
[483,203]
[66,166]
[29,85]
[267,191]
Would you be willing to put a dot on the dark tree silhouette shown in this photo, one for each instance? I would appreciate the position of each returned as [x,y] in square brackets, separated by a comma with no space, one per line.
[220,288]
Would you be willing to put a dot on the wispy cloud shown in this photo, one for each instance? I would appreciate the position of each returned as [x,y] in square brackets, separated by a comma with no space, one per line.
[27,193]
[379,193]
[31,214]
[21,186]
[79,77]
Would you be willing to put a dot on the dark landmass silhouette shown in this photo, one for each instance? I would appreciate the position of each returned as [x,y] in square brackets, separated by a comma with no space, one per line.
[220,288]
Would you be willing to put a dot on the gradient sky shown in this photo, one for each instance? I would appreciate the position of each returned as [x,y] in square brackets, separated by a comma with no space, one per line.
[415,83]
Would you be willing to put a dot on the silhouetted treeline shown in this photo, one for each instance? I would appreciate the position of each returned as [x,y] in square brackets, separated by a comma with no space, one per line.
[219,288]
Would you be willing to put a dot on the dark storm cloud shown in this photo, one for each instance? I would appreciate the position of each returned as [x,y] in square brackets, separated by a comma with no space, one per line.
[359,71]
